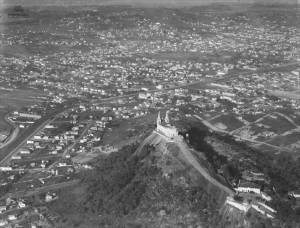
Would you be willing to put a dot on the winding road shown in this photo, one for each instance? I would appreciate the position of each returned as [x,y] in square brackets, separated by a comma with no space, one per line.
[13,135]
[23,142]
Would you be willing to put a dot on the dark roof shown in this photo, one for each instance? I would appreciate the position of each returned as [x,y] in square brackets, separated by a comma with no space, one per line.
[248,184]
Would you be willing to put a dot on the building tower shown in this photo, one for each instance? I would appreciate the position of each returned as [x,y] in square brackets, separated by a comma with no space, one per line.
[167,120]
[167,129]
[158,121]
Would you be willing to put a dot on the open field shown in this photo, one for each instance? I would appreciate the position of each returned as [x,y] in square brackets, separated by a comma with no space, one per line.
[125,131]
[286,94]
[15,99]
[277,123]
[4,126]
[287,140]
[229,121]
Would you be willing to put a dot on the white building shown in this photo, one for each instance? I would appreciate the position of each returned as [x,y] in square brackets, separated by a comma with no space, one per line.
[167,130]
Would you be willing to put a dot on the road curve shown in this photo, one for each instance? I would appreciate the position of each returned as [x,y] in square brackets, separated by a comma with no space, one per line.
[21,144]
[13,135]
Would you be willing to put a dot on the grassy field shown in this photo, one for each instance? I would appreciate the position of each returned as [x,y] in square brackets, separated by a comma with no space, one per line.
[278,124]
[4,126]
[15,99]
[285,94]
[229,120]
[286,140]
[126,131]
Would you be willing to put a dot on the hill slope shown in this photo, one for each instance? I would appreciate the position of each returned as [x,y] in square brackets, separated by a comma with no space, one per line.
[159,183]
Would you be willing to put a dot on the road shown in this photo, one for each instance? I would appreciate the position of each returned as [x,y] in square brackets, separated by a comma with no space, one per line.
[213,128]
[4,161]
[288,119]
[13,135]
[88,126]
[192,160]
[186,151]
[41,189]
[203,81]
[19,144]
[150,91]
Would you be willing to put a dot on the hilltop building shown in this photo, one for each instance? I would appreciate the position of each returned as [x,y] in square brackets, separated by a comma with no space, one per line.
[166,128]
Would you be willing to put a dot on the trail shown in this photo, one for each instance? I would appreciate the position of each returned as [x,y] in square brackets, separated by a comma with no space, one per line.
[214,128]
[191,159]
[156,137]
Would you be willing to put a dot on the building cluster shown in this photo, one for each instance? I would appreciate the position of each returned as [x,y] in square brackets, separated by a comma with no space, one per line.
[124,66]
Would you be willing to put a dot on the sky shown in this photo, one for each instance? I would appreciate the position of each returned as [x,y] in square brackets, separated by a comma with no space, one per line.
[131,2]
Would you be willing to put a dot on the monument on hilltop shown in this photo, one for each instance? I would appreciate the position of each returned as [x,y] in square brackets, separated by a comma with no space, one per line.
[166,128]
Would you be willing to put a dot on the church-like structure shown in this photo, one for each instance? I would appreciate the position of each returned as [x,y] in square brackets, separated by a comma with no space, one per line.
[166,128]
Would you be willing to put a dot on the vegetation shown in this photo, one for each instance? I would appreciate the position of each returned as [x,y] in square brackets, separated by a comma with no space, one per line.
[283,170]
[196,139]
[114,185]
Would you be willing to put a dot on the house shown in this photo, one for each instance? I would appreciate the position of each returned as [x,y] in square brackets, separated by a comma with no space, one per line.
[50,197]
[295,194]
[3,223]
[238,205]
[264,209]
[16,157]
[248,187]
[12,217]
[2,209]
[5,168]
[144,95]
[24,151]
[21,204]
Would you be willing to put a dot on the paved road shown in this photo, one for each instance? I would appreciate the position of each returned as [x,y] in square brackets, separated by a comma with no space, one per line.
[13,135]
[23,142]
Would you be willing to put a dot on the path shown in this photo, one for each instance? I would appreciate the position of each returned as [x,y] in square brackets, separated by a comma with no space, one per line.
[191,159]
[214,128]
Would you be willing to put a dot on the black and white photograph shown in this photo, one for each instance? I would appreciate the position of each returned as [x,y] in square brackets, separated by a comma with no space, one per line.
[149,113]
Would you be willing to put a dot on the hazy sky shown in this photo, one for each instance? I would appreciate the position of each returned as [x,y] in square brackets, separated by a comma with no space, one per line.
[131,2]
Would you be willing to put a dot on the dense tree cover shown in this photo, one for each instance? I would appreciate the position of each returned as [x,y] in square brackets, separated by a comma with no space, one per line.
[283,170]
[122,180]
[197,140]
[118,182]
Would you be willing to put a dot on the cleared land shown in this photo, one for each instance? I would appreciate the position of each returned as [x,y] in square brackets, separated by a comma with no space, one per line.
[15,99]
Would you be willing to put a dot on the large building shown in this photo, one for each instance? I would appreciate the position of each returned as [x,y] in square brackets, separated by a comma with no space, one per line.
[166,128]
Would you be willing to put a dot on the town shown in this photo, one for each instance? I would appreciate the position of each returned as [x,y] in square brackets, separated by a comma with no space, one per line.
[83,76]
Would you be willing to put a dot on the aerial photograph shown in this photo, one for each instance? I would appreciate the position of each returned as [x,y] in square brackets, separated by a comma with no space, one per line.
[150,113]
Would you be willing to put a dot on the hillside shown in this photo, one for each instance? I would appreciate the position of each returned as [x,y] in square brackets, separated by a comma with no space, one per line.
[159,183]
[150,184]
